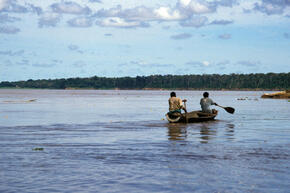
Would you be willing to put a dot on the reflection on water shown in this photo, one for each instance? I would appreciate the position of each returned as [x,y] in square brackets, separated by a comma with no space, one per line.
[230,131]
[177,131]
[207,133]
[204,132]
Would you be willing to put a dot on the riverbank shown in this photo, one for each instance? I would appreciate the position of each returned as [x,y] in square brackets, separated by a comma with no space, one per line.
[153,89]
[254,82]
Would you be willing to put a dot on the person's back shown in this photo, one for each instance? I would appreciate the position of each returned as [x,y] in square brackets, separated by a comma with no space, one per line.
[205,103]
[175,103]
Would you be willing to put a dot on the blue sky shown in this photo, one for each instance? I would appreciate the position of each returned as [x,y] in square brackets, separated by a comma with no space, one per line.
[84,38]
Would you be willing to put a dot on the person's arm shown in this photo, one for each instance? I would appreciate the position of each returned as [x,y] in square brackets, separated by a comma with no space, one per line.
[184,109]
[212,102]
[182,106]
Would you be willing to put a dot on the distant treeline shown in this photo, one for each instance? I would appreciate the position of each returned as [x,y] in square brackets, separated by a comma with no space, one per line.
[213,81]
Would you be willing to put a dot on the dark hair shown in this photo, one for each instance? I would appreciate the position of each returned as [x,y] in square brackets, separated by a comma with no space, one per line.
[205,94]
[173,94]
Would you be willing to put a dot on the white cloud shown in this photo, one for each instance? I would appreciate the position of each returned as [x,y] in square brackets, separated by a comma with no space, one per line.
[96,1]
[197,7]
[70,8]
[139,62]
[181,36]
[120,22]
[2,4]
[271,7]
[49,19]
[80,22]
[141,13]
[5,18]
[189,13]
[205,63]
[166,13]
[184,3]
[13,6]
[35,9]
[183,10]
[196,21]
[195,64]
[200,7]
[145,64]
[249,63]
[112,12]
[221,22]
[9,29]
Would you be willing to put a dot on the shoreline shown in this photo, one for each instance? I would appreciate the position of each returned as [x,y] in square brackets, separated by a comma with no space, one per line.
[149,89]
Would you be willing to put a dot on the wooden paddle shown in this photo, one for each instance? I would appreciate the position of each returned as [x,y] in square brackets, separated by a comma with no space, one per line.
[228,109]
[186,111]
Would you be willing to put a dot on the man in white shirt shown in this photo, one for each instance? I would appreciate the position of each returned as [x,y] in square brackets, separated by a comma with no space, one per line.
[205,103]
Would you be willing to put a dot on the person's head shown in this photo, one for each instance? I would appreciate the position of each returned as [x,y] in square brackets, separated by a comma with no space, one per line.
[205,94]
[172,94]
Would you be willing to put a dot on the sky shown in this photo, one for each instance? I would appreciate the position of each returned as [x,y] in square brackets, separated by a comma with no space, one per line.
[109,38]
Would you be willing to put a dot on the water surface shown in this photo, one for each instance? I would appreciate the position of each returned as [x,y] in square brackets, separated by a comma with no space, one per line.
[118,141]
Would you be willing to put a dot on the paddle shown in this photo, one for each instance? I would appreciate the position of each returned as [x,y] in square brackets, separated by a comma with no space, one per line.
[186,111]
[228,109]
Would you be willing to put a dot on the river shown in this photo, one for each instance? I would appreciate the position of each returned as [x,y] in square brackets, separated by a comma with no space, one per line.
[120,141]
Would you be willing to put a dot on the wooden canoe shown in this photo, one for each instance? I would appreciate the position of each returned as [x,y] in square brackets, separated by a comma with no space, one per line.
[190,117]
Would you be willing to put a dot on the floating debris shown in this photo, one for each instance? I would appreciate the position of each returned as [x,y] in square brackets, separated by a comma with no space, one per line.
[21,101]
[31,100]
[38,149]
[246,98]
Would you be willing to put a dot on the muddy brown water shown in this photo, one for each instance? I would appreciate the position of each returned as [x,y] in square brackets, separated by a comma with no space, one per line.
[119,141]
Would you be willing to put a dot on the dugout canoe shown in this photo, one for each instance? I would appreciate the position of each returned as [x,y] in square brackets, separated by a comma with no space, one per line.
[191,117]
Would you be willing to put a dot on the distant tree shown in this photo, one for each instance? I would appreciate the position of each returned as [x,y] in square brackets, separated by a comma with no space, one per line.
[214,81]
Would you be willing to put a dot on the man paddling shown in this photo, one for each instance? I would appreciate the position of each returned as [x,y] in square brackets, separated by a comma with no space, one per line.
[206,102]
[175,104]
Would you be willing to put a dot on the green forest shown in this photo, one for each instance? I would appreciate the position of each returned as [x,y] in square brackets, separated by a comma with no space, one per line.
[213,81]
